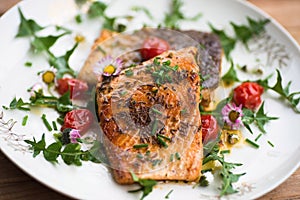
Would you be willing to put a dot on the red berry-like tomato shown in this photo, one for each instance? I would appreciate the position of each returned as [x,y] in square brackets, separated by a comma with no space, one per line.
[153,46]
[209,128]
[248,94]
[77,87]
[80,119]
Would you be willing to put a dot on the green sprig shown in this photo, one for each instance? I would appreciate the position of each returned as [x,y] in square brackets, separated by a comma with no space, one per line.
[146,185]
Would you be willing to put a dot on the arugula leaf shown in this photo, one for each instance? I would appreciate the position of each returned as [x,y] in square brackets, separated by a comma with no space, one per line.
[227,43]
[18,104]
[97,9]
[37,147]
[27,27]
[171,19]
[228,177]
[260,118]
[292,98]
[44,43]
[242,32]
[146,185]
[257,26]
[231,75]
[62,63]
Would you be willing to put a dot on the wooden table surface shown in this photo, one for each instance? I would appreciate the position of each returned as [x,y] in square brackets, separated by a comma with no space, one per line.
[15,184]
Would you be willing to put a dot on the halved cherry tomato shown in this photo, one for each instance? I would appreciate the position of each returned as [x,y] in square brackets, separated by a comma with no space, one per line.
[209,128]
[80,119]
[77,87]
[153,46]
[248,94]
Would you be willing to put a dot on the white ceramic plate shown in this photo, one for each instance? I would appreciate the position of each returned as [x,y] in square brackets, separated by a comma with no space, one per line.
[266,167]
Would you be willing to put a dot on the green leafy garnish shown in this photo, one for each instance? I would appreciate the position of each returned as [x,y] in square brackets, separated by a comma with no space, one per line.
[259,118]
[97,9]
[231,75]
[228,178]
[71,153]
[29,28]
[175,15]
[146,185]
[243,33]
[61,104]
[227,43]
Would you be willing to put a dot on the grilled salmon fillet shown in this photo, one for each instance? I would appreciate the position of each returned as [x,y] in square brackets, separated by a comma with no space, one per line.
[150,119]
[127,46]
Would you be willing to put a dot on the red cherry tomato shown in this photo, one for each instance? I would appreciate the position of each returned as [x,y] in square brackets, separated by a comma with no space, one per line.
[77,87]
[153,46]
[80,119]
[248,94]
[209,128]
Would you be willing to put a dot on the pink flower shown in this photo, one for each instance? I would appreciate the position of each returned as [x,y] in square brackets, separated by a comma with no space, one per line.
[232,115]
[74,134]
[108,66]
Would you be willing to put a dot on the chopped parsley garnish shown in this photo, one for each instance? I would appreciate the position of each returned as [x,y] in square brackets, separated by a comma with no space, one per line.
[177,156]
[28,64]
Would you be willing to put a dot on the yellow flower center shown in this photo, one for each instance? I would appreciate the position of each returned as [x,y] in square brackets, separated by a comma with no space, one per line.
[79,38]
[109,69]
[48,77]
[233,115]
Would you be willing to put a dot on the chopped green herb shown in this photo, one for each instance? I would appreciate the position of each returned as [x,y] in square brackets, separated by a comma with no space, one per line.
[225,151]
[146,186]
[164,137]
[28,64]
[60,120]
[48,126]
[78,19]
[24,121]
[54,125]
[156,162]
[177,155]
[172,157]
[252,143]
[169,193]
[270,143]
[161,141]
[156,111]
[154,127]
[256,139]
[99,48]
[129,72]
[139,146]
[123,92]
